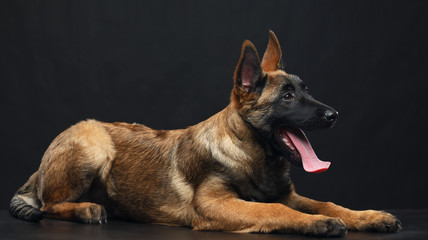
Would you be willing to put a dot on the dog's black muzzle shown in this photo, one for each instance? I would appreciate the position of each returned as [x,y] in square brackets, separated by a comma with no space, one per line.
[312,114]
[330,116]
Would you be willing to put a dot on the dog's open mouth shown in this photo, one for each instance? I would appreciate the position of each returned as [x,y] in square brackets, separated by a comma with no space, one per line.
[295,142]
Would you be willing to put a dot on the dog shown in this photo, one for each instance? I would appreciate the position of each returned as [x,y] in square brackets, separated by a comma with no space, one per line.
[227,173]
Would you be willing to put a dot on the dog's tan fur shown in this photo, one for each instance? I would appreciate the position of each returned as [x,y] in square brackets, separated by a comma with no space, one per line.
[176,177]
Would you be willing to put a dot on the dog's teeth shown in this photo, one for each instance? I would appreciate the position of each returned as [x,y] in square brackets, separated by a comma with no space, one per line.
[287,142]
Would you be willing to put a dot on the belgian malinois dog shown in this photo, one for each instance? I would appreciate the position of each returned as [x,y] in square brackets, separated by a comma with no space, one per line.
[228,173]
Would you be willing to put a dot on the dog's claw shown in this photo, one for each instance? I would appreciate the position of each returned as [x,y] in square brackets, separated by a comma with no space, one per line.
[344,231]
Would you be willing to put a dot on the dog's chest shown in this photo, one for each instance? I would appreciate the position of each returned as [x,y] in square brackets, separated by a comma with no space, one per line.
[267,184]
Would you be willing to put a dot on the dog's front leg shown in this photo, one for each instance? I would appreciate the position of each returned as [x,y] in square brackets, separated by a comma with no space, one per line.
[219,208]
[368,220]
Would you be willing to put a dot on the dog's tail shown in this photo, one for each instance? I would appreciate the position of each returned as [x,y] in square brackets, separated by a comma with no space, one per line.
[25,204]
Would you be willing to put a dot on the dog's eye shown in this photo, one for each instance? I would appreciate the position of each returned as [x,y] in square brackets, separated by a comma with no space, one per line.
[306,89]
[288,96]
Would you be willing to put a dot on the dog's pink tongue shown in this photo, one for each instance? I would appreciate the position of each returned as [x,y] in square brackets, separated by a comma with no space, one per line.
[310,161]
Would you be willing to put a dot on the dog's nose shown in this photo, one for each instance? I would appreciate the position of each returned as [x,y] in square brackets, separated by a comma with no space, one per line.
[331,115]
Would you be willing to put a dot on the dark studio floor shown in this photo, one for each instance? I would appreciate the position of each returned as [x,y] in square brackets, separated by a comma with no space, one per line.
[415,224]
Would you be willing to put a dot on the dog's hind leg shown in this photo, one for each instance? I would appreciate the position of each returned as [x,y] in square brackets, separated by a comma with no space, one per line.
[85,212]
[78,156]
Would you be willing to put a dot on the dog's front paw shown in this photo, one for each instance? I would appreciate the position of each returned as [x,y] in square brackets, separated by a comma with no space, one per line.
[323,226]
[376,221]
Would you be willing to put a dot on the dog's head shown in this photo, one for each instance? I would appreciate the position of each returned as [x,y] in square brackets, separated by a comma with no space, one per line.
[277,105]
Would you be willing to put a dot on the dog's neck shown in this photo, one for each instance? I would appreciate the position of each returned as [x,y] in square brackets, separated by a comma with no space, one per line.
[237,128]
[232,142]
[249,157]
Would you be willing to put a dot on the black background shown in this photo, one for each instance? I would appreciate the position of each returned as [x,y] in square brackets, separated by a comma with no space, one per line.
[169,64]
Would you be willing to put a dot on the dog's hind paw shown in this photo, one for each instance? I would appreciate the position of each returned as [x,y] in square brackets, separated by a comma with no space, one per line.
[91,213]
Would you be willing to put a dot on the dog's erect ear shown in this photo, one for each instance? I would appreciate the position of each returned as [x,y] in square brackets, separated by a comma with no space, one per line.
[272,59]
[248,70]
